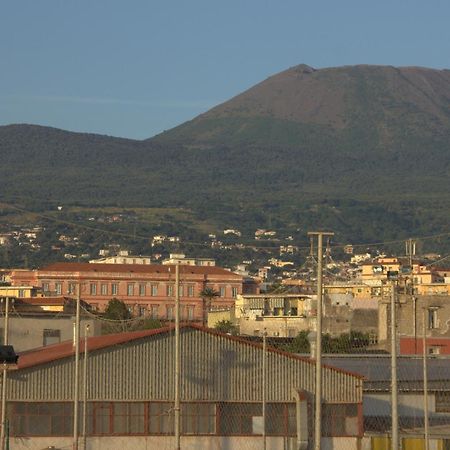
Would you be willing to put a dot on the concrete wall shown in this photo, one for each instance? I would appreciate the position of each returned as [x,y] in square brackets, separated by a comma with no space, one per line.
[27,332]
[187,443]
[410,316]
[282,326]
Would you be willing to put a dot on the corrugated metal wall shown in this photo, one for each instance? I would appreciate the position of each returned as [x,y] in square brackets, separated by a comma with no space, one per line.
[214,368]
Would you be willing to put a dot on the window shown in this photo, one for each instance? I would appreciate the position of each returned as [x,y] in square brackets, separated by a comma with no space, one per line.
[40,419]
[21,292]
[104,289]
[142,310]
[98,418]
[93,289]
[154,311]
[198,418]
[141,289]
[72,289]
[112,418]
[160,418]
[281,419]
[190,313]
[45,286]
[442,402]
[154,291]
[222,291]
[169,290]
[238,418]
[278,311]
[51,336]
[190,290]
[340,420]
[180,291]
[169,312]
[129,418]
[130,289]
[432,319]
[114,289]
[58,288]
[234,292]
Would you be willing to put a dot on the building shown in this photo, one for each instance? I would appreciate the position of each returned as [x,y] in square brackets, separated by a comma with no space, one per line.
[147,289]
[221,391]
[122,259]
[20,291]
[41,321]
[281,315]
[180,258]
[416,315]
[5,239]
[376,370]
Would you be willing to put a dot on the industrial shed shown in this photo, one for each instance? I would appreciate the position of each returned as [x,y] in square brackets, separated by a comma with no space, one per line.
[130,395]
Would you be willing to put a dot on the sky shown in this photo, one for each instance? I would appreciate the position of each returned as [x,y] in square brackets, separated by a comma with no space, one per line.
[136,68]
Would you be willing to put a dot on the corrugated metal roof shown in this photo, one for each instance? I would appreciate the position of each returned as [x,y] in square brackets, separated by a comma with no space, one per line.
[140,366]
[377,368]
[65,349]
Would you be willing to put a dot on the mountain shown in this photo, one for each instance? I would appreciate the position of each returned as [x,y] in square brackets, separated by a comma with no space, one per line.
[364,150]
[381,104]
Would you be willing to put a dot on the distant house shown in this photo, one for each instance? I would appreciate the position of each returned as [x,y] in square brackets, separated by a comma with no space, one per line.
[232,231]
[261,233]
[122,259]
[281,315]
[5,239]
[180,258]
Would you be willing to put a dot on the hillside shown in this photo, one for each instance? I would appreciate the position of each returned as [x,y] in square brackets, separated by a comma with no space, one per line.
[364,150]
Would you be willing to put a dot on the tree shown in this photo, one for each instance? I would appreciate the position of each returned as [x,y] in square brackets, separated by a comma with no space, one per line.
[148,324]
[117,310]
[207,295]
[300,344]
[226,326]
[117,315]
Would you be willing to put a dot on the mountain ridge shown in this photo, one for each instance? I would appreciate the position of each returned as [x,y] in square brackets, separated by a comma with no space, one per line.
[368,137]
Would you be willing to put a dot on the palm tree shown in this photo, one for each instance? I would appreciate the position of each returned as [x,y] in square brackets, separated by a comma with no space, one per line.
[207,295]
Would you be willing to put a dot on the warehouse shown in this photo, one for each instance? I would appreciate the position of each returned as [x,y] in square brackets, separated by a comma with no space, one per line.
[130,395]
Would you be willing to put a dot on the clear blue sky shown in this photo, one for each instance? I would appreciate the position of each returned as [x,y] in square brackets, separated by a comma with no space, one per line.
[135,68]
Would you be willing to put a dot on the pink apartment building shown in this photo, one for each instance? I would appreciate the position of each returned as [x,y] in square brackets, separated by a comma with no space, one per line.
[147,289]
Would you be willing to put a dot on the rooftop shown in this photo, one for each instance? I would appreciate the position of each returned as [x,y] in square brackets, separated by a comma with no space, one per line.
[135,268]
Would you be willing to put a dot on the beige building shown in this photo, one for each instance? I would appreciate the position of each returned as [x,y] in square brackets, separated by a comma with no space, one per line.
[283,315]
[122,259]
[41,321]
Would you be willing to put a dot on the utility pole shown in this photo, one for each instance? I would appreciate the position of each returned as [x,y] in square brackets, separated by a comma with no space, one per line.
[5,375]
[394,396]
[85,383]
[264,382]
[410,252]
[177,407]
[77,369]
[425,381]
[318,390]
